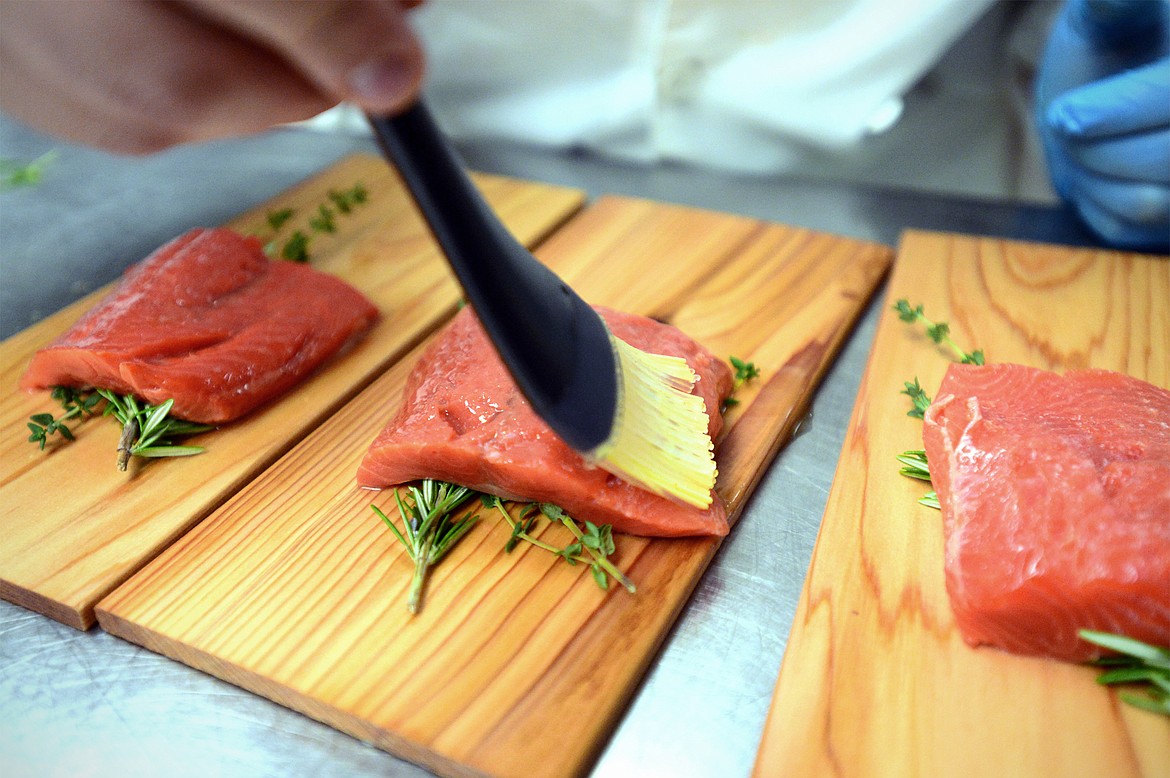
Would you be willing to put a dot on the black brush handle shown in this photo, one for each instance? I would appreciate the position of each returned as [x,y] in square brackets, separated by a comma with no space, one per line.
[553,342]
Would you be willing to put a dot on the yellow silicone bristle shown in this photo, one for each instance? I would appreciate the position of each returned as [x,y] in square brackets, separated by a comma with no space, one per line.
[659,440]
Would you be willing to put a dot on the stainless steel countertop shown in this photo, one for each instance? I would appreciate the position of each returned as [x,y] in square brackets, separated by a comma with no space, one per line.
[75,703]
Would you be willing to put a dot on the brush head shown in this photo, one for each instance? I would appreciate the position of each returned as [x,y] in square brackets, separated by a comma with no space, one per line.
[659,438]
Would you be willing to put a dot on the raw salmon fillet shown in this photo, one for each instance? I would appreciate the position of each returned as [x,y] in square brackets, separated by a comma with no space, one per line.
[464,420]
[1055,494]
[210,321]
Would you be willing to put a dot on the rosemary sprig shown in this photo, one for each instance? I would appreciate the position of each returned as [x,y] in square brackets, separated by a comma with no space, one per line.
[939,332]
[430,528]
[324,220]
[914,465]
[75,403]
[148,431]
[1136,663]
[14,174]
[593,546]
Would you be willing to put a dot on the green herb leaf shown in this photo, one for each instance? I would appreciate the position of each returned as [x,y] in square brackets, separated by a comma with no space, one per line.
[918,399]
[1132,649]
[906,313]
[157,452]
[323,221]
[15,174]
[599,576]
[277,218]
[744,371]
[74,402]
[914,465]
[296,248]
[938,332]
[1138,663]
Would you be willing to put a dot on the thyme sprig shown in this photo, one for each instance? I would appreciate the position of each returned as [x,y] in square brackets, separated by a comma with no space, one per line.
[295,248]
[593,546]
[75,403]
[149,431]
[430,528]
[597,543]
[1135,663]
[744,371]
[939,332]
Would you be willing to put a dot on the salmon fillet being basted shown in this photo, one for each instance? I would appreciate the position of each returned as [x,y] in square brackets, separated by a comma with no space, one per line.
[211,322]
[464,420]
[1055,492]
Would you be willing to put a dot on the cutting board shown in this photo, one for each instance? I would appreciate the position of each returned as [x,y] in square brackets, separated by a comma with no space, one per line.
[75,527]
[518,665]
[876,680]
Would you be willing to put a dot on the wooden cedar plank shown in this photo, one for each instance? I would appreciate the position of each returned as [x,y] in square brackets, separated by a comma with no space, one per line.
[876,680]
[74,527]
[518,665]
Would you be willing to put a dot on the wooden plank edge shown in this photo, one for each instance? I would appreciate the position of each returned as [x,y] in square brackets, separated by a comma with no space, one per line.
[783,390]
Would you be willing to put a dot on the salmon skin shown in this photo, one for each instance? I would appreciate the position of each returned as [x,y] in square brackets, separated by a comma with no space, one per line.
[1055,494]
[210,321]
[463,420]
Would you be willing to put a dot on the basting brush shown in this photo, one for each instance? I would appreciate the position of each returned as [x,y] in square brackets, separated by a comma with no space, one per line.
[627,411]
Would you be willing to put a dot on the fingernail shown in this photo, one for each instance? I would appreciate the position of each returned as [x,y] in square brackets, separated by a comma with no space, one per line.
[383,83]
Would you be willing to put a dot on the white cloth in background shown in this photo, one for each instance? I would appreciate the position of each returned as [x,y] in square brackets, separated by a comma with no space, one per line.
[735,84]
[856,90]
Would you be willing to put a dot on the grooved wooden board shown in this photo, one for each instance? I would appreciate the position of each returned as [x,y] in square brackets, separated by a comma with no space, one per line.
[518,665]
[876,680]
[75,527]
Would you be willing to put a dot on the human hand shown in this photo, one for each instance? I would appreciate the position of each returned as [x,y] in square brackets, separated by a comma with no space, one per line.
[137,76]
[1103,112]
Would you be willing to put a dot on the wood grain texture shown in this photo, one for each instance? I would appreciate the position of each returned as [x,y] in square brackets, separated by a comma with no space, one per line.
[876,680]
[75,527]
[518,665]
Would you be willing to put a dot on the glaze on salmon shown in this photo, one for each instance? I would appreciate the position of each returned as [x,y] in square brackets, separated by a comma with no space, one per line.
[1055,493]
[463,420]
[211,322]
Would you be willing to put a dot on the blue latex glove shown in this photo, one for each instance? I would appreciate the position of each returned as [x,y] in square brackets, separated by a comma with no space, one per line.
[1103,111]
